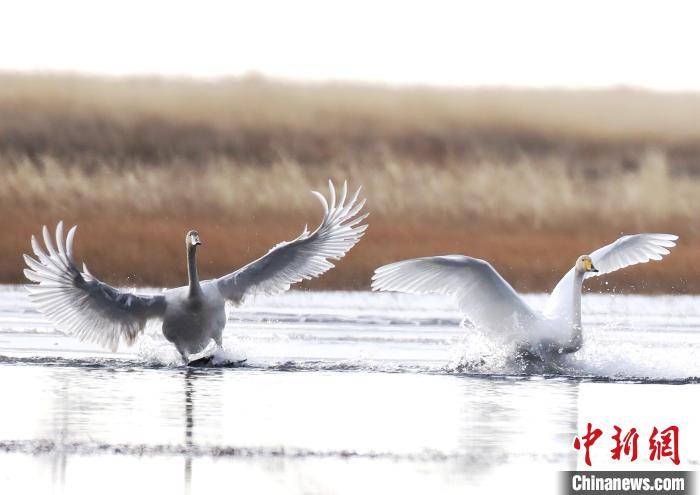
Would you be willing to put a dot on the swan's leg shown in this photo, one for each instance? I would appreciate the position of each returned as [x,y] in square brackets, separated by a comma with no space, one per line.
[183,354]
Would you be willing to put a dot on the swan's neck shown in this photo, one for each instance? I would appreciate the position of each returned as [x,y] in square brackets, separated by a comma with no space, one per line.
[195,289]
[577,330]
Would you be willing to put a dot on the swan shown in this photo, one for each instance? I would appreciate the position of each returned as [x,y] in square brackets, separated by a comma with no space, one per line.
[194,315]
[491,303]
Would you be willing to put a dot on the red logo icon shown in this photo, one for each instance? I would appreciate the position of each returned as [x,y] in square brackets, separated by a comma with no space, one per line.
[662,444]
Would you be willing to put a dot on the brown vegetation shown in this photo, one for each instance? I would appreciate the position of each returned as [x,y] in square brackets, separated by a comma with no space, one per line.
[526,179]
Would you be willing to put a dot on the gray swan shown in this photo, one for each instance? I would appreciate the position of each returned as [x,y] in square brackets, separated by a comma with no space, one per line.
[194,315]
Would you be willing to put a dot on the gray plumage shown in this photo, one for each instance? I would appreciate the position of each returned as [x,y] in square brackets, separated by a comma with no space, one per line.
[194,315]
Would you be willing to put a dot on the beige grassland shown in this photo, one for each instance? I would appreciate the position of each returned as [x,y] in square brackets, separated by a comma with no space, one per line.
[526,179]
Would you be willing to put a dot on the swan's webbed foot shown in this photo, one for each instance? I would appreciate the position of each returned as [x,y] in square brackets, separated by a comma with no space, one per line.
[546,357]
[544,351]
[529,355]
[570,349]
[202,362]
[208,361]
[183,355]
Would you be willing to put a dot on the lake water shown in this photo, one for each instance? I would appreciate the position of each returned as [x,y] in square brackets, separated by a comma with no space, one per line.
[341,393]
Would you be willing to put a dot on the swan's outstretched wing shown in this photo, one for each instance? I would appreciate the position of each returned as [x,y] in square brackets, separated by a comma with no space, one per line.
[305,257]
[79,303]
[626,251]
[481,293]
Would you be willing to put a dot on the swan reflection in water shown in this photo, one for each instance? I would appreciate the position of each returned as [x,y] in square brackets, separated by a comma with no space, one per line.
[189,426]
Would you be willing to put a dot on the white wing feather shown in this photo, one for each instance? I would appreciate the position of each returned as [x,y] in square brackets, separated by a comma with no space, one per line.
[484,297]
[80,304]
[626,251]
[305,257]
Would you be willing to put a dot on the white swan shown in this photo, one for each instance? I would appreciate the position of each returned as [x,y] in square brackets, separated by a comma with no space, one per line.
[490,303]
[194,315]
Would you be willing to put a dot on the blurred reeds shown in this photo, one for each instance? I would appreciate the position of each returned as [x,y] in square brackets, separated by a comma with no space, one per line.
[526,179]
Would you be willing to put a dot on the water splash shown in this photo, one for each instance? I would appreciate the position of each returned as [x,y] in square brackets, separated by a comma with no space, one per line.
[643,338]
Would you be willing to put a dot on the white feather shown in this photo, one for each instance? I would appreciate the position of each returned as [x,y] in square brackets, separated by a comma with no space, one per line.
[305,257]
[489,302]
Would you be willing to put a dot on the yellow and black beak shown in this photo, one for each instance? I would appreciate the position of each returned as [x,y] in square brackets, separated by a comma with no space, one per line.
[588,264]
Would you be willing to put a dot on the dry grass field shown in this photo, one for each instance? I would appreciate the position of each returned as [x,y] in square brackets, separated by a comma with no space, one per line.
[527,179]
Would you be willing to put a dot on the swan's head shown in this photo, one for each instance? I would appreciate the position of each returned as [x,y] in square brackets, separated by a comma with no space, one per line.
[585,264]
[192,238]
